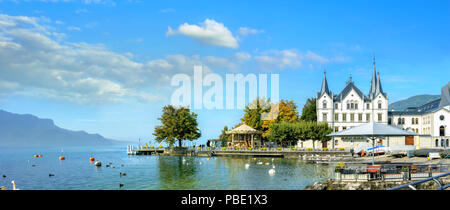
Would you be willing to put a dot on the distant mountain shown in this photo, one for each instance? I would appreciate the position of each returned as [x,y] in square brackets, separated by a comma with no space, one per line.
[25,130]
[414,101]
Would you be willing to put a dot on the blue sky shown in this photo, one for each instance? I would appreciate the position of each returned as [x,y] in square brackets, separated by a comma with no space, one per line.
[105,66]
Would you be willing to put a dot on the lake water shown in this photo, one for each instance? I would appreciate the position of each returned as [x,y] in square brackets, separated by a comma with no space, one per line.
[151,172]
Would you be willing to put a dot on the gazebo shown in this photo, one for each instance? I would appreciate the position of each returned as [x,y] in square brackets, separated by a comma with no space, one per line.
[372,131]
[245,136]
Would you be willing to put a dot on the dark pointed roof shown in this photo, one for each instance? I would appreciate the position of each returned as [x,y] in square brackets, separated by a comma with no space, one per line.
[373,84]
[324,86]
[379,89]
[350,85]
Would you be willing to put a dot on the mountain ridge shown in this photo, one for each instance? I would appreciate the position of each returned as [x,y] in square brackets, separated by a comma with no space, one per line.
[27,130]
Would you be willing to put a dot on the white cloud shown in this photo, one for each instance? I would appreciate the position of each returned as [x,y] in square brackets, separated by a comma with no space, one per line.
[288,59]
[73,28]
[209,32]
[249,31]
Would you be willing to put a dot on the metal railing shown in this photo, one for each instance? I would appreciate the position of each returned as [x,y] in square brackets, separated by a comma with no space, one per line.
[434,178]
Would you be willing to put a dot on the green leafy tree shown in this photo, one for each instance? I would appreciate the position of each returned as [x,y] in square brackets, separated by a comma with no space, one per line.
[224,135]
[178,124]
[309,110]
[253,112]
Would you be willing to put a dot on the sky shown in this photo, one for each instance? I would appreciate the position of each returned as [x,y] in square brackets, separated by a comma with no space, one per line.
[105,66]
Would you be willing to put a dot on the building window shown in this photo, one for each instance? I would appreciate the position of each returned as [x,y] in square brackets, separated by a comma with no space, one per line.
[417,121]
[413,121]
[336,106]
[352,106]
[356,106]
[437,143]
[324,104]
[368,106]
[389,121]
[343,128]
[336,142]
[399,121]
[367,117]
[348,106]
[336,129]
[380,117]
[352,117]
[379,104]
[336,117]
[441,131]
[324,117]
[403,121]
[360,117]
[344,117]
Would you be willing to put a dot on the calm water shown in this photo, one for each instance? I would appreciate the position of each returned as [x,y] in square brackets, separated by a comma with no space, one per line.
[150,172]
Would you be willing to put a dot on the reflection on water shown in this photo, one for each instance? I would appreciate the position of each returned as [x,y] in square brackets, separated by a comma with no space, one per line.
[177,172]
[154,172]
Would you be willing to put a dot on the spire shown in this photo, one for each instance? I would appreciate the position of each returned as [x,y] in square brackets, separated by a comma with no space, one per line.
[324,85]
[373,85]
[379,89]
[349,80]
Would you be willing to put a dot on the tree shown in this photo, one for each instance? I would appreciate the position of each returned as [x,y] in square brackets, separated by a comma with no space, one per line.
[283,132]
[287,112]
[309,110]
[178,124]
[253,112]
[224,135]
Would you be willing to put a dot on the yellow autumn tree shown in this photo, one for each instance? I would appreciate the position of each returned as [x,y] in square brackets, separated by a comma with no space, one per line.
[287,112]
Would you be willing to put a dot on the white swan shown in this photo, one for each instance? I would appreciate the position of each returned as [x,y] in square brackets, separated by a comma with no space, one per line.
[247,166]
[267,164]
[14,185]
[272,171]
[259,163]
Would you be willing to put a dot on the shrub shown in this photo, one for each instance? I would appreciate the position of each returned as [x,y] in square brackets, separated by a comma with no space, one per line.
[250,148]
[198,148]
[308,149]
[324,149]
[224,148]
[152,147]
[294,148]
[279,148]
[342,149]
[264,148]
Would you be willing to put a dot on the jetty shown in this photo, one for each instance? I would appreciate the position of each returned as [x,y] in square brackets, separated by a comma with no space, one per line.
[310,155]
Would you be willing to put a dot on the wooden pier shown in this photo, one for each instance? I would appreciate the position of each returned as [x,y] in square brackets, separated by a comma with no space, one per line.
[131,150]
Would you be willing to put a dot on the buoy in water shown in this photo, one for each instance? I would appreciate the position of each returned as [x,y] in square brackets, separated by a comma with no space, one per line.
[254,158]
[98,163]
[247,166]
[62,158]
[36,155]
[208,159]
[92,159]
[40,155]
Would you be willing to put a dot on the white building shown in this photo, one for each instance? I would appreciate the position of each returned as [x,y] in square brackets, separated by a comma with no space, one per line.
[351,107]
[431,119]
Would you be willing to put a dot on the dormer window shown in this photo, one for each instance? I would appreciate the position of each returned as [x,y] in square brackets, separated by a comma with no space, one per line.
[324,104]
[379,104]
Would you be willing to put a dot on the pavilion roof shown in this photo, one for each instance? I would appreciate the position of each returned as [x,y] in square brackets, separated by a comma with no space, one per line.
[244,129]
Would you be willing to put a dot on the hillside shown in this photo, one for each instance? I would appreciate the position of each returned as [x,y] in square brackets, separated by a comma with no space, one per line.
[412,102]
[25,130]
